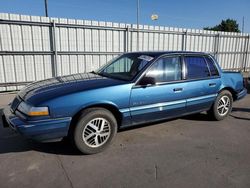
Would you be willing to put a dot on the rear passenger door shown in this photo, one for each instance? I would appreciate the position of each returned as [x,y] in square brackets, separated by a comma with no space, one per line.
[203,81]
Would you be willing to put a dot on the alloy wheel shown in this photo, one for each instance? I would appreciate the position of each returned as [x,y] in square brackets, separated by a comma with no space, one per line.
[223,105]
[96,132]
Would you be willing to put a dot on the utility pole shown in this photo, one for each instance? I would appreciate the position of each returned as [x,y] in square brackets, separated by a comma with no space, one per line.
[46,8]
[138,7]
[243,24]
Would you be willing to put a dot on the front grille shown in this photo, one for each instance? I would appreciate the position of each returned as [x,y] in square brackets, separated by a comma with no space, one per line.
[15,103]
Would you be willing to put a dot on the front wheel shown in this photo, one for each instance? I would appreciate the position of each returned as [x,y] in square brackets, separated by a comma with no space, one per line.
[222,106]
[94,131]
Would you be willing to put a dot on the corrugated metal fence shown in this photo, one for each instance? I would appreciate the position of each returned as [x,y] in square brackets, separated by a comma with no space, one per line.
[34,48]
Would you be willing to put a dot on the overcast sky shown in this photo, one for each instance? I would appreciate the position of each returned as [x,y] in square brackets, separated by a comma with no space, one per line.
[175,13]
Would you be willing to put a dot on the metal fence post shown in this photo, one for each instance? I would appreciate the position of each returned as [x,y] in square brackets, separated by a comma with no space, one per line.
[126,39]
[53,48]
[246,53]
[216,46]
[131,38]
[184,41]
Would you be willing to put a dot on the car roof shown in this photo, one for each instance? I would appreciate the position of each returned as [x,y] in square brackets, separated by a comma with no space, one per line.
[160,53]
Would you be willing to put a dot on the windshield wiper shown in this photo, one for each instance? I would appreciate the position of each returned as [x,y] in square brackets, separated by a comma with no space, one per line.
[104,74]
[93,72]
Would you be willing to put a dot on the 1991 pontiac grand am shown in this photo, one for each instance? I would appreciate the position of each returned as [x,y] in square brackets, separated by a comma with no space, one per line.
[134,88]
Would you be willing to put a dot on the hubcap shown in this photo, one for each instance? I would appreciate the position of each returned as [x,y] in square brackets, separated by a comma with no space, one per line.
[223,105]
[96,132]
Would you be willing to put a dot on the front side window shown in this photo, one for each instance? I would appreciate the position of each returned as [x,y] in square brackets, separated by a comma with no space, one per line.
[166,69]
[196,67]
[126,67]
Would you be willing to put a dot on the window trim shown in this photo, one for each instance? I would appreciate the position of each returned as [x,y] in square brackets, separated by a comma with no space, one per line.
[133,80]
[204,78]
[136,85]
[184,71]
[214,64]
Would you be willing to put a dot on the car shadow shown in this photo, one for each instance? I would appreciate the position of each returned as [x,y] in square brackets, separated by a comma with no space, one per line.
[235,109]
[242,118]
[11,142]
[198,117]
[194,117]
[244,110]
[14,144]
[205,117]
[247,81]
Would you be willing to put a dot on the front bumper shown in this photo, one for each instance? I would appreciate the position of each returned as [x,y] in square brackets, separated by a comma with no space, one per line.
[41,130]
[242,94]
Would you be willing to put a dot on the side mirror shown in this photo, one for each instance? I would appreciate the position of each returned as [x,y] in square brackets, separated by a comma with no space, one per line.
[147,81]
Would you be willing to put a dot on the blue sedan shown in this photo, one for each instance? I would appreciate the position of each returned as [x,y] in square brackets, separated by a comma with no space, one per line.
[134,88]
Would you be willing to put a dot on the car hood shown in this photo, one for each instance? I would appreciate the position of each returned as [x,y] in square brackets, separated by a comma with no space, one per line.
[43,90]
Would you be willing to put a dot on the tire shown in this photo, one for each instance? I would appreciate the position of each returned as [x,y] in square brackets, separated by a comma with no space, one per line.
[94,131]
[222,106]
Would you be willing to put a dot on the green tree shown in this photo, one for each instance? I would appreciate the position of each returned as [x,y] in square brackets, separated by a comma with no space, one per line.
[228,25]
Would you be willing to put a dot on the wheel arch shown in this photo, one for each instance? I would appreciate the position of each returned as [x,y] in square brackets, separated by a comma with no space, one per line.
[107,106]
[231,90]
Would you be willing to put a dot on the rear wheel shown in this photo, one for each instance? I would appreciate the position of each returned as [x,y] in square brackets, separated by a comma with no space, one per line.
[94,131]
[222,106]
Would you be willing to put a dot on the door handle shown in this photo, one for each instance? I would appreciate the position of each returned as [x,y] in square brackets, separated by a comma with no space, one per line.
[212,84]
[178,90]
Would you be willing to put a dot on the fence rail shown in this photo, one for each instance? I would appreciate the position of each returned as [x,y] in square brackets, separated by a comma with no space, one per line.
[34,48]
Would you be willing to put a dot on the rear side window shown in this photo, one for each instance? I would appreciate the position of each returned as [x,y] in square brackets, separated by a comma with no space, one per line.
[212,67]
[196,67]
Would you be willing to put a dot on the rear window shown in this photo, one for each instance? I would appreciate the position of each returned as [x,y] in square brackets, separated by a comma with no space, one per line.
[196,67]
[212,67]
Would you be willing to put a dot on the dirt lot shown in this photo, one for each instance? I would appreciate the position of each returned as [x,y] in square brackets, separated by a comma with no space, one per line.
[186,152]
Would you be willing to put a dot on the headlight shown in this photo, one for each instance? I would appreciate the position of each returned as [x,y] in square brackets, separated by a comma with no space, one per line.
[33,111]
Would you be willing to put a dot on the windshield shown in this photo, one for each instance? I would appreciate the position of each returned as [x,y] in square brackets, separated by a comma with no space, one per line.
[126,67]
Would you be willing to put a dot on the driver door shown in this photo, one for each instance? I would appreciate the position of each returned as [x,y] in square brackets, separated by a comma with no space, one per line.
[165,98]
